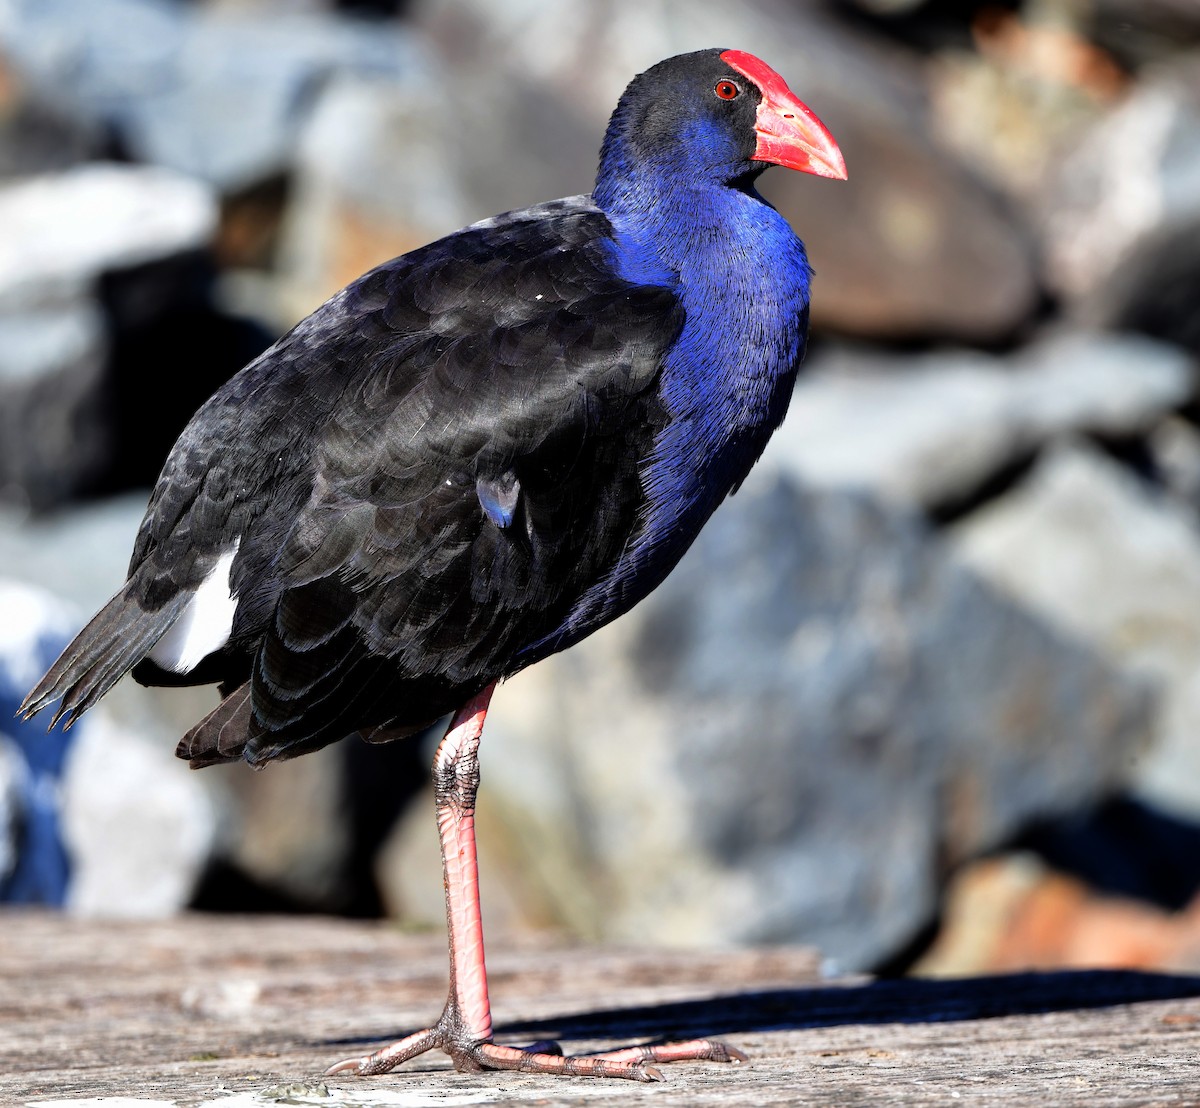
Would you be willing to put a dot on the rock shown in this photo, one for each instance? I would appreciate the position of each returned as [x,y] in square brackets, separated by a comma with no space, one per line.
[795,736]
[1089,546]
[106,824]
[79,554]
[287,829]
[1012,914]
[915,247]
[34,868]
[1144,31]
[102,269]
[140,828]
[59,233]
[1119,232]
[219,95]
[52,377]
[362,191]
[37,135]
[1174,449]
[1030,87]
[932,429]
[910,246]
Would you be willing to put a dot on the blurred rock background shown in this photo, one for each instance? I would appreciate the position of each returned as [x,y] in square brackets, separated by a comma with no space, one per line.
[925,694]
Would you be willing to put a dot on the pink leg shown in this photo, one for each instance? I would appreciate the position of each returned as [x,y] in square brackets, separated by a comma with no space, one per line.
[464,1030]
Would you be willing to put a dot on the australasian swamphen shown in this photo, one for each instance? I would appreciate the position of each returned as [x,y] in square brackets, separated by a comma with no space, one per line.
[470,458]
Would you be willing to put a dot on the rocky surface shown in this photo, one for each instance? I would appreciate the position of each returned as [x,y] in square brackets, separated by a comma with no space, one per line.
[61,233]
[38,135]
[78,555]
[1144,31]
[932,430]
[1085,543]
[139,830]
[217,95]
[361,195]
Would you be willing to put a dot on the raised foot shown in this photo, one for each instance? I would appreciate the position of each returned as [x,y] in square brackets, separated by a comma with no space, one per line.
[633,1063]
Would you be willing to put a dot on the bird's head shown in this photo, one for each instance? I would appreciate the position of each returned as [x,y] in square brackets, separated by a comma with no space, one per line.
[719,116]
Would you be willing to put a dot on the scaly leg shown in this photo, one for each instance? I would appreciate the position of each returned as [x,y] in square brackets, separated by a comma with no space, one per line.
[464,1030]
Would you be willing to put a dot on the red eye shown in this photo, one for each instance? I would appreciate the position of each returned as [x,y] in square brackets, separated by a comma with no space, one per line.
[726,90]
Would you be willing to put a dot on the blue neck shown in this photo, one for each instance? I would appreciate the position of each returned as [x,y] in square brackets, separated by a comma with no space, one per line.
[743,279]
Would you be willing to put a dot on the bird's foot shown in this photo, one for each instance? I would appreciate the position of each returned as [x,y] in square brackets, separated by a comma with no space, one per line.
[635,1063]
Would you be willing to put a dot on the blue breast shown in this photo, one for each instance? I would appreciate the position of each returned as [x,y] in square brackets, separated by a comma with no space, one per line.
[743,278]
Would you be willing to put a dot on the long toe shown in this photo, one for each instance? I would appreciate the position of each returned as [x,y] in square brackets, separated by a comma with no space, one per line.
[693,1050]
[389,1057]
[629,1064]
[494,1056]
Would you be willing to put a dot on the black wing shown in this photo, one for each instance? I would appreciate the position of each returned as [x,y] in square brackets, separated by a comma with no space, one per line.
[423,477]
[462,506]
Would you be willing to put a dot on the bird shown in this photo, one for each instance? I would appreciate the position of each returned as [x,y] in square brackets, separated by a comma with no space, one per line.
[468,459]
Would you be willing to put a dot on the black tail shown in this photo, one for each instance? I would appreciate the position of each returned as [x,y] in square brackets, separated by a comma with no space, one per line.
[118,637]
[221,736]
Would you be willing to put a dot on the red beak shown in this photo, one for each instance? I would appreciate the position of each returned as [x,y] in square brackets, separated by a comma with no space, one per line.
[789,133]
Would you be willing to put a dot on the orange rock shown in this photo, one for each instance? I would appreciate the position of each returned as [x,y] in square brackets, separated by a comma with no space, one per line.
[1011,913]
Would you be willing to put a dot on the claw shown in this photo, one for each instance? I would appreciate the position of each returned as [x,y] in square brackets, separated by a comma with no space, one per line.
[347,1065]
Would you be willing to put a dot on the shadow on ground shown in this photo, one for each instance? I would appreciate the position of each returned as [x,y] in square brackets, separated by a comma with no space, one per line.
[906,1001]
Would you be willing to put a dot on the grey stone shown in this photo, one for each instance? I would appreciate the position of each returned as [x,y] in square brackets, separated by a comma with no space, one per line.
[933,428]
[139,826]
[37,134]
[52,366]
[287,829]
[78,554]
[362,191]
[1174,447]
[60,236]
[1089,546]
[11,772]
[1120,232]
[59,233]
[795,736]
[220,95]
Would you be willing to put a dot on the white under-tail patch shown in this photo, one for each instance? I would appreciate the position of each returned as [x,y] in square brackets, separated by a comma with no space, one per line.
[204,625]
